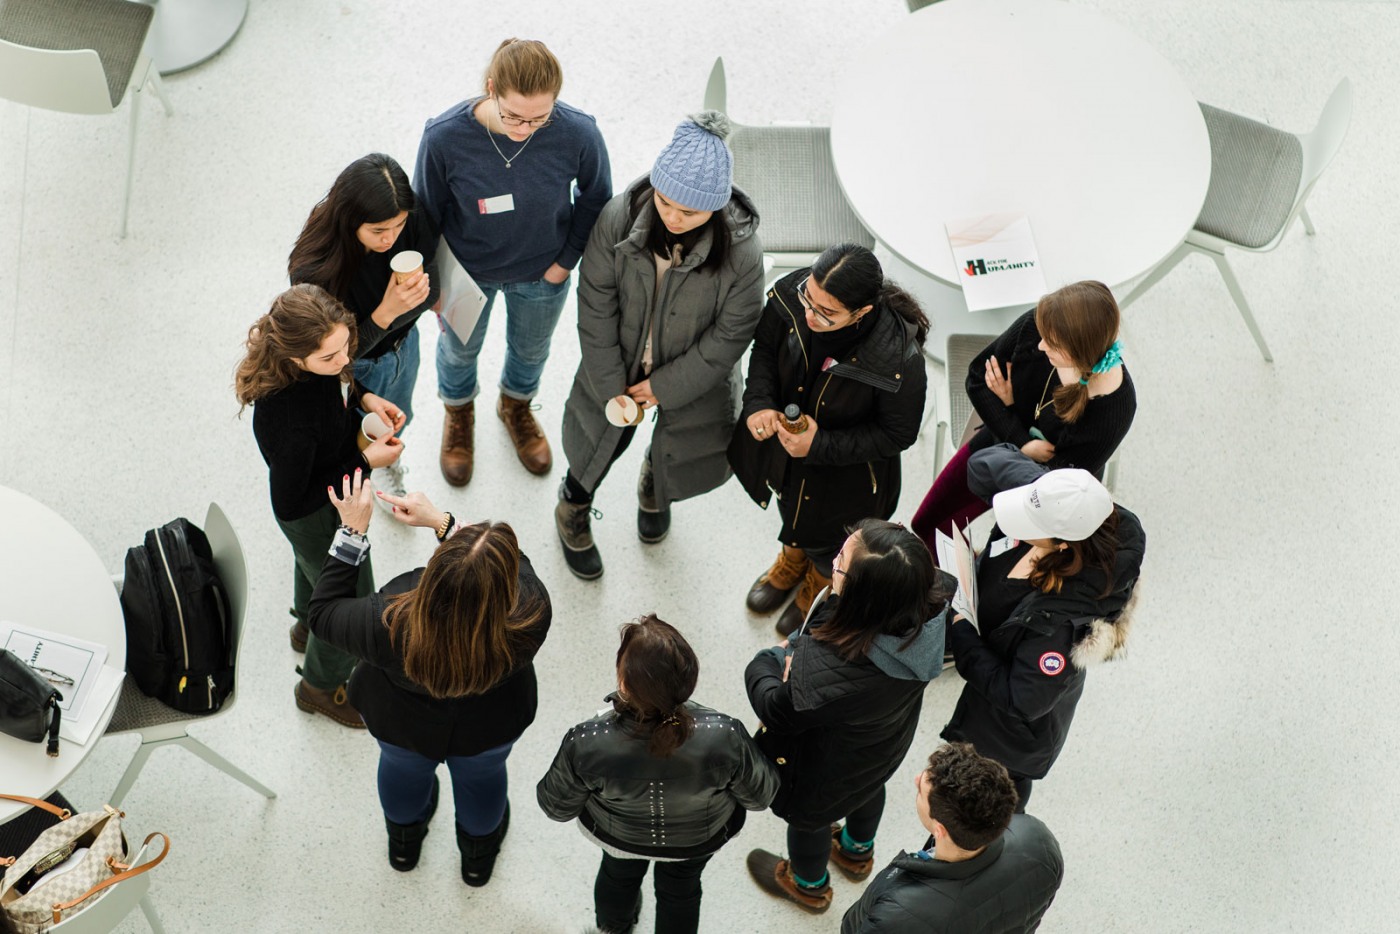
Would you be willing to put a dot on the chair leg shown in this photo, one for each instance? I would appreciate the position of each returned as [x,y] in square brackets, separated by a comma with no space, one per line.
[153,79]
[129,776]
[1307,222]
[152,918]
[225,766]
[1155,276]
[1237,294]
[131,155]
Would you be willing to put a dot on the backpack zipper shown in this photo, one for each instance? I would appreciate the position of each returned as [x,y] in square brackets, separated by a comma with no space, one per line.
[179,610]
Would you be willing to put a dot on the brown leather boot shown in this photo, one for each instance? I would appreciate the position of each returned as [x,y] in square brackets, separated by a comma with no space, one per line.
[774,875]
[458,451]
[812,584]
[854,866]
[334,704]
[531,446]
[774,585]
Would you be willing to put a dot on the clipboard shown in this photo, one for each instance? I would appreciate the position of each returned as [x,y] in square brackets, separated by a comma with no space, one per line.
[462,300]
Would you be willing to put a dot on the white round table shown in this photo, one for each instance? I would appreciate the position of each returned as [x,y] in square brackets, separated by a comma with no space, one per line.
[51,578]
[1031,107]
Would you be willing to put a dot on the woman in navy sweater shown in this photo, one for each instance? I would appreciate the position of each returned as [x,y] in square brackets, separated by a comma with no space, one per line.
[296,377]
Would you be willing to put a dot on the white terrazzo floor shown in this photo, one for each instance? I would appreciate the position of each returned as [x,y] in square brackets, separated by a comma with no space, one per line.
[1229,776]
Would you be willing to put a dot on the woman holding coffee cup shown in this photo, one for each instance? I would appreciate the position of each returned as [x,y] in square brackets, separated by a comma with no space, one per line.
[670,290]
[367,244]
[296,375]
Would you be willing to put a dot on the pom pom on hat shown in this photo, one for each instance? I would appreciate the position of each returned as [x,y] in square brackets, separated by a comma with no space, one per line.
[696,170]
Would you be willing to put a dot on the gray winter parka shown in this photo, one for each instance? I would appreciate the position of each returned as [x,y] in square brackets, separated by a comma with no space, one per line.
[704,321]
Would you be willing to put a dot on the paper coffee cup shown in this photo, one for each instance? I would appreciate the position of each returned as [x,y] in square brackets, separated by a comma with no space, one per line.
[372,428]
[623,411]
[406,264]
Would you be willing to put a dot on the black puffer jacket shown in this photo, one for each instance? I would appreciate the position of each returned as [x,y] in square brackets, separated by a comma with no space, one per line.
[1005,889]
[1024,677]
[685,805]
[841,727]
[867,407]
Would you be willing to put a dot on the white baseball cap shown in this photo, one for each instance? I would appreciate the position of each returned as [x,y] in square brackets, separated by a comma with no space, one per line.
[1067,504]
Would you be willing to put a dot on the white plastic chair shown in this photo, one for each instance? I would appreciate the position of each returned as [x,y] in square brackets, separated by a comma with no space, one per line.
[787,170]
[103,915]
[81,57]
[1260,180]
[160,725]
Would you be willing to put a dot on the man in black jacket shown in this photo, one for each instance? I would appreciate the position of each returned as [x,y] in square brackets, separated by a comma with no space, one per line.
[984,870]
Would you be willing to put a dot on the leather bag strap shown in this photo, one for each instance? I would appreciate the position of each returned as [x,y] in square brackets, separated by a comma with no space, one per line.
[55,810]
[60,908]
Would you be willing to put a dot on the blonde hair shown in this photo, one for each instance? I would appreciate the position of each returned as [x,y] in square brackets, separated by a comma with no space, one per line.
[524,67]
[293,329]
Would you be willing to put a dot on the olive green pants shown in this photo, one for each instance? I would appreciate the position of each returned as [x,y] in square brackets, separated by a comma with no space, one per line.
[326,667]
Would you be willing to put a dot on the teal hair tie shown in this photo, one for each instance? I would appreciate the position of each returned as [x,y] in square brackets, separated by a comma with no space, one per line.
[1083,381]
[1111,358]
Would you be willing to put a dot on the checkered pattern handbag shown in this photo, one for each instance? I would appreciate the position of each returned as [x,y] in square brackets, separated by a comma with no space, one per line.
[34,903]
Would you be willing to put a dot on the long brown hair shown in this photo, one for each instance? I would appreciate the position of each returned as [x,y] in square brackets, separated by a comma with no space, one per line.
[1099,550]
[293,329]
[658,669]
[890,588]
[1081,321]
[525,67]
[460,630]
[371,190]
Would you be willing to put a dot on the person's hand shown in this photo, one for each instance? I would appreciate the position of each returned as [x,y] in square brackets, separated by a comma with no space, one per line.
[391,414]
[383,451]
[401,297]
[354,503]
[787,667]
[998,384]
[642,395]
[1038,450]
[555,274]
[763,424]
[798,445]
[415,509]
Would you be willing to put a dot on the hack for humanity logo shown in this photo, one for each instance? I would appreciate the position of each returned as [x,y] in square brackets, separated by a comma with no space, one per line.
[985,267]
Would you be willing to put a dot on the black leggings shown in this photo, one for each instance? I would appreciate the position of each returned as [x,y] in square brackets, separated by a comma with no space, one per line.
[574,491]
[808,850]
[617,893]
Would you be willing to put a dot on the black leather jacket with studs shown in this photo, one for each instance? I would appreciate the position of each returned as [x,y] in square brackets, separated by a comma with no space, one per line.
[678,807]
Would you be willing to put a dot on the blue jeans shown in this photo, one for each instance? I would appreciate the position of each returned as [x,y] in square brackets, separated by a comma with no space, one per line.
[478,786]
[392,376]
[532,311]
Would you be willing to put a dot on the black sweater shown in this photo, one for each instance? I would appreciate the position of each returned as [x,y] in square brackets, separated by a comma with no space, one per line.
[306,433]
[1088,443]
[367,285]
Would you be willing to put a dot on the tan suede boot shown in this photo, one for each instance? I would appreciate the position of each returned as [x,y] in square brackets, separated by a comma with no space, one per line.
[774,585]
[812,584]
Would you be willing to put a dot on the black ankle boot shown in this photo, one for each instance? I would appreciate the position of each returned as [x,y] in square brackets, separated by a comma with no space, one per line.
[479,853]
[406,840]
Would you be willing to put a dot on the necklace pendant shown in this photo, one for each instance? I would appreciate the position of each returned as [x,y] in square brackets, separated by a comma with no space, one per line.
[507,165]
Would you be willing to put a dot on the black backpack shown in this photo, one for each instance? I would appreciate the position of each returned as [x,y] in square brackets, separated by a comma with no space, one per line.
[179,638]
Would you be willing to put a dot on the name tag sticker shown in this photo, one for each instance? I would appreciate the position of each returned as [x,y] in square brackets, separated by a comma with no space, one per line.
[497,205]
[1001,546]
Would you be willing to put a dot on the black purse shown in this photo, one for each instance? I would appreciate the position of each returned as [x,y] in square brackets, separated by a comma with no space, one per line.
[28,704]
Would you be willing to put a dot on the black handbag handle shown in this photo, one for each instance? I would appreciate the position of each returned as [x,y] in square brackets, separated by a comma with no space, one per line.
[52,748]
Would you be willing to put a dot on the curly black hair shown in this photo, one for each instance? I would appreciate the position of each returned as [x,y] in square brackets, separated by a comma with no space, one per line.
[972,796]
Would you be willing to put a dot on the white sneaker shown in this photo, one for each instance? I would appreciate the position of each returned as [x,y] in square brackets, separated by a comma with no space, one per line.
[389,480]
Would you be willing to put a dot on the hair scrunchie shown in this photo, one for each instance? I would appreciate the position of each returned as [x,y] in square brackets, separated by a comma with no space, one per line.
[1111,358]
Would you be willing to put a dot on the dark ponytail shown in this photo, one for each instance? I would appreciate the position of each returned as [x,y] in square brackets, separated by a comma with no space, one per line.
[1099,550]
[658,670]
[854,277]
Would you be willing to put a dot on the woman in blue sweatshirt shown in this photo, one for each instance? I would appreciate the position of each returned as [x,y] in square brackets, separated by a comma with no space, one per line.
[514,179]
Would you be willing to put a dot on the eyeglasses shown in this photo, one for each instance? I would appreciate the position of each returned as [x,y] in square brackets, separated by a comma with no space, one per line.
[805,299]
[510,119]
[53,677]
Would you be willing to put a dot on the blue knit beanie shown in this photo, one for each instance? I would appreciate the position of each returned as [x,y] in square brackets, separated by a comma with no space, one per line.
[696,170]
